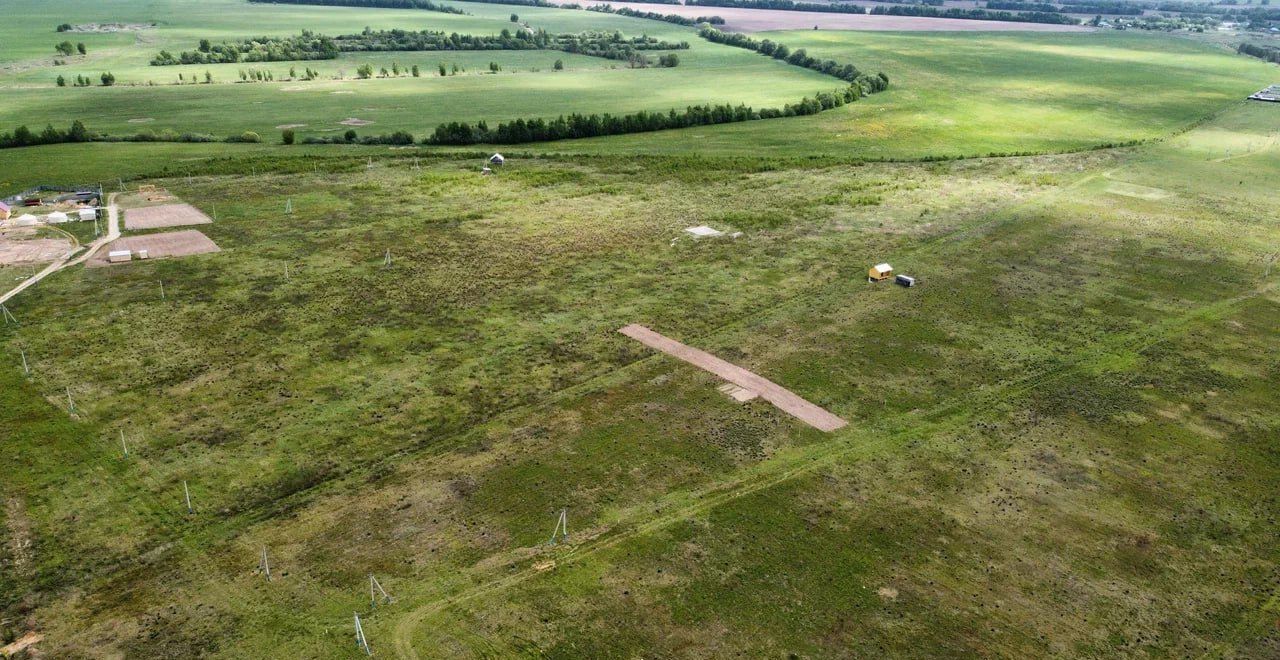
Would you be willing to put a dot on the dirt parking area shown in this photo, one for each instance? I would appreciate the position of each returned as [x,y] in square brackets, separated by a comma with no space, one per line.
[31,250]
[158,246]
[760,20]
[165,215]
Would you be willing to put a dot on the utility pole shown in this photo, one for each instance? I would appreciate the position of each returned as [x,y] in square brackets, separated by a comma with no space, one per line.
[125,447]
[26,371]
[374,589]
[265,564]
[187,492]
[161,290]
[562,527]
[361,642]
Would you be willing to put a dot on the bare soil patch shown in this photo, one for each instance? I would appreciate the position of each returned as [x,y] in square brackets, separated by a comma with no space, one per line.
[31,250]
[785,400]
[352,121]
[166,215]
[288,126]
[141,120]
[158,246]
[21,644]
[759,20]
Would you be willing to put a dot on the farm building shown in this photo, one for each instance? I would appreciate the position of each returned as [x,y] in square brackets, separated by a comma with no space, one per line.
[879,273]
[5,211]
[88,214]
[56,218]
[497,159]
[25,220]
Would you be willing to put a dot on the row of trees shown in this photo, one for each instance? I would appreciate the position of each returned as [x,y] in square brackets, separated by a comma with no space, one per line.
[577,126]
[108,79]
[785,5]
[1111,7]
[974,14]
[582,126]
[380,4]
[653,16]
[1019,5]
[1268,53]
[25,137]
[307,46]
[68,49]
[799,57]
[310,46]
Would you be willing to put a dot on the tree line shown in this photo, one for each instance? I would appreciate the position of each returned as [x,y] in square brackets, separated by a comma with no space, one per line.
[798,57]
[379,4]
[582,126]
[1111,7]
[974,14]
[307,46]
[1019,5]
[25,137]
[310,46]
[1268,53]
[652,16]
[784,5]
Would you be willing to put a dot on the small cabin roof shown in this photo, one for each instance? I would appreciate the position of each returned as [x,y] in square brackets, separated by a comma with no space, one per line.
[882,267]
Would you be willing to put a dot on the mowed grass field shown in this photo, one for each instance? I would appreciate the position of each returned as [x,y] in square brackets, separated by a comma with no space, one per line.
[1061,442]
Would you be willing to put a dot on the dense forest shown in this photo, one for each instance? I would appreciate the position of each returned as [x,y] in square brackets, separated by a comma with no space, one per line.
[310,46]
[974,14]
[785,5]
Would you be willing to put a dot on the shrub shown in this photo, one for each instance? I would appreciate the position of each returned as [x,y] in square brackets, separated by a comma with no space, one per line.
[287,136]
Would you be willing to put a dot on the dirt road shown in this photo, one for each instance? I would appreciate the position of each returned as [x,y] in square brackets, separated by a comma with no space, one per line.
[113,232]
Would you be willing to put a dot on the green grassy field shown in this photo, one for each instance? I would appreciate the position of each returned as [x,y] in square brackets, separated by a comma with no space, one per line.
[527,85]
[1060,442]
[952,93]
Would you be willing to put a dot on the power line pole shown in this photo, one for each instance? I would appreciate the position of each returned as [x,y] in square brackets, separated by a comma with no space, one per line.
[361,642]
[125,447]
[26,371]
[374,589]
[562,527]
[265,565]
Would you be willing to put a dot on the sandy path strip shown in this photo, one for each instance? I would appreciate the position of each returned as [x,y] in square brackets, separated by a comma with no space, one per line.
[760,20]
[786,400]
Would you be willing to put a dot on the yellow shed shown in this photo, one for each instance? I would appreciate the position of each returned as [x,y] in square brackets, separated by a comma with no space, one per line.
[879,273]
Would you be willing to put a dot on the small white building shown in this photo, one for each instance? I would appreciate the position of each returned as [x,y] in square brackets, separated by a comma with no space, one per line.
[497,159]
[88,214]
[25,220]
[56,218]
[119,256]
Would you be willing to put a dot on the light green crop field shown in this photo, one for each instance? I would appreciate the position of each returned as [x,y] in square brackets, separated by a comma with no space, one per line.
[1061,443]
[957,94]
